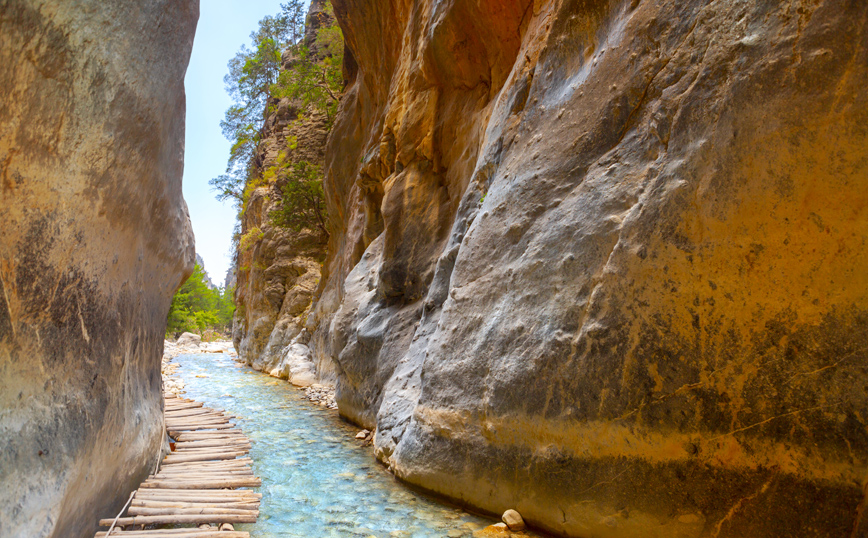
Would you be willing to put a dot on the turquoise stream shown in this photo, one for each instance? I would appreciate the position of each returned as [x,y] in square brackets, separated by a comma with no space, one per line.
[317,480]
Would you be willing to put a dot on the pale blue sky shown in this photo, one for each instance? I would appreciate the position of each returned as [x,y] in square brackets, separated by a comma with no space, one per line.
[224,25]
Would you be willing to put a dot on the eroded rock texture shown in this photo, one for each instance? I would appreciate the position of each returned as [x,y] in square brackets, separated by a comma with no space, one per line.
[604,262]
[95,240]
[278,269]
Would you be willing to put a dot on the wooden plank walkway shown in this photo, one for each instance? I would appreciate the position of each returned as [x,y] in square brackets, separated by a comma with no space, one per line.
[195,484]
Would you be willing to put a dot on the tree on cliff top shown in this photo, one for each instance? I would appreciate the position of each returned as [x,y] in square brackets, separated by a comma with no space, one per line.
[252,72]
[313,79]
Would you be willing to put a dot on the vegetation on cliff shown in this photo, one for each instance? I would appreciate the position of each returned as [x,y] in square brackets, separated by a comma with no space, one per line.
[284,63]
[198,308]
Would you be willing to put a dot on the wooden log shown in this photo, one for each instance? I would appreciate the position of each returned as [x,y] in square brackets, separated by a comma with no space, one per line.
[194,411]
[205,417]
[226,493]
[183,405]
[197,436]
[204,449]
[169,470]
[212,442]
[223,445]
[225,470]
[168,533]
[240,462]
[204,457]
[208,444]
[184,422]
[198,416]
[239,502]
[180,519]
[213,470]
[190,428]
[206,476]
[147,503]
[208,497]
[152,511]
[203,483]
[179,428]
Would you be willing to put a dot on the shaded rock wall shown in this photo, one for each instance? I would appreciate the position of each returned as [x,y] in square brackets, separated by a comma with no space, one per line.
[96,238]
[604,262]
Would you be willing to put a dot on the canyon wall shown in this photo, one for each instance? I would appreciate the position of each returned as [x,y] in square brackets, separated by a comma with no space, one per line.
[96,238]
[278,269]
[605,262]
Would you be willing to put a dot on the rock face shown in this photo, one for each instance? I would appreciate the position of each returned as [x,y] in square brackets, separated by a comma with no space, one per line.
[96,238]
[604,262]
[277,269]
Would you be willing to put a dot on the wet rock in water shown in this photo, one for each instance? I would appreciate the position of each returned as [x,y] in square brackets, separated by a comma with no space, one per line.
[363,434]
[95,239]
[513,520]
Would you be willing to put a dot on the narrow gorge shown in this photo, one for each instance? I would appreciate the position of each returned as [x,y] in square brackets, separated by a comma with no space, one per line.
[602,262]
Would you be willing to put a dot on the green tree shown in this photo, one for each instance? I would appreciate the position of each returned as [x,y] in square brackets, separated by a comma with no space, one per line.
[252,72]
[316,76]
[303,201]
[196,307]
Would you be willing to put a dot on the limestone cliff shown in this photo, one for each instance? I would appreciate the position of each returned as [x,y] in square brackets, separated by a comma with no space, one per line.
[604,261]
[96,238]
[278,269]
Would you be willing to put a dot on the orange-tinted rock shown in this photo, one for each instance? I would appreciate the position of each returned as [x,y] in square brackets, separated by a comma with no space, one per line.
[604,262]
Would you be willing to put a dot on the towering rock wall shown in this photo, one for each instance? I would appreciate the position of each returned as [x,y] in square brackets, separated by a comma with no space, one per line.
[278,269]
[604,261]
[96,238]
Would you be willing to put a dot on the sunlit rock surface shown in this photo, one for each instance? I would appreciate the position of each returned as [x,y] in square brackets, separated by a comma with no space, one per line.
[95,240]
[605,262]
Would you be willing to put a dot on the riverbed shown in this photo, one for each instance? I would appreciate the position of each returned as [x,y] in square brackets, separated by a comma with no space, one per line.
[318,481]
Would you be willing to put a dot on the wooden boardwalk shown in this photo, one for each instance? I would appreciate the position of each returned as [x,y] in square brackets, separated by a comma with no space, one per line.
[195,484]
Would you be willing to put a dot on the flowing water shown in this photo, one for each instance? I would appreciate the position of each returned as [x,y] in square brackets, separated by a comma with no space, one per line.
[317,480]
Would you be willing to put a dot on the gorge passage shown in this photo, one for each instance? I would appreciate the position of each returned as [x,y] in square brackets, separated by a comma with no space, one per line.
[602,262]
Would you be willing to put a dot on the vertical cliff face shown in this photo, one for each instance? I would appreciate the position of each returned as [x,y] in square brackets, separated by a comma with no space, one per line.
[96,238]
[604,262]
[278,269]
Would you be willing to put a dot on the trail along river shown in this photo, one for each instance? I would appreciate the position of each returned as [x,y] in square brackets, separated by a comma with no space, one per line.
[317,480]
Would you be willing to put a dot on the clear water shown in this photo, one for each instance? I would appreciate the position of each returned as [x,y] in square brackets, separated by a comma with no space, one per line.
[317,481]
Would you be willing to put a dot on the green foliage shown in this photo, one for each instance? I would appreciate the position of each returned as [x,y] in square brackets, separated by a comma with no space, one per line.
[316,79]
[247,240]
[303,201]
[197,308]
[312,81]
[252,72]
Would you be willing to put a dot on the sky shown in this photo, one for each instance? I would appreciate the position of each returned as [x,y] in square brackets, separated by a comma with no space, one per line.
[224,25]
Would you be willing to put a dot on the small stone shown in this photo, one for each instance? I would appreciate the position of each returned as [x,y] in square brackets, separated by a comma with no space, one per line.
[498,530]
[513,520]
[362,434]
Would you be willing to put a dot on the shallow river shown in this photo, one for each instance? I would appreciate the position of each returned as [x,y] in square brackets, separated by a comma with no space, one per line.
[317,481]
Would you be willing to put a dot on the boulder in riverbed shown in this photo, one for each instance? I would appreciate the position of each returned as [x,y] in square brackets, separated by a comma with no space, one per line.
[189,340]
